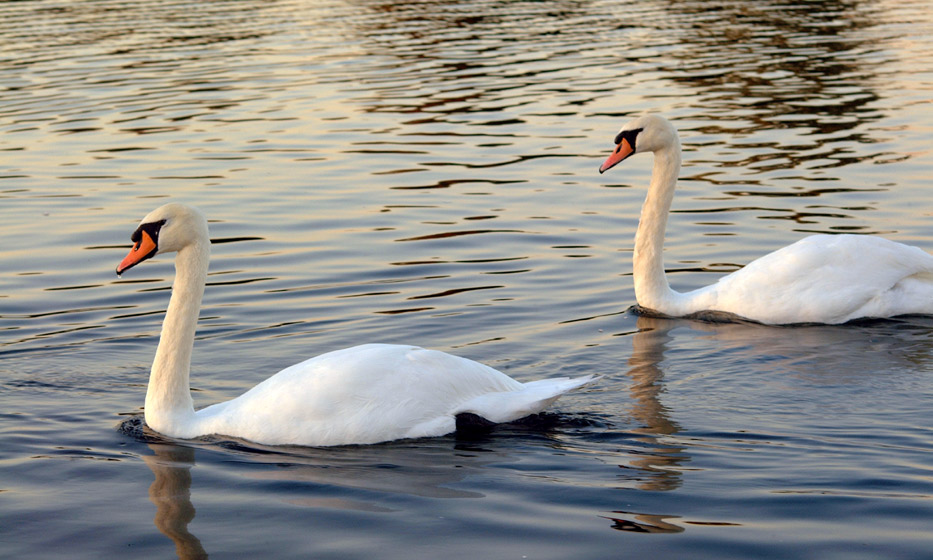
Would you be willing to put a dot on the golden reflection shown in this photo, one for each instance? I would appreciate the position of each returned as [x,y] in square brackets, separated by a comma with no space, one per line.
[648,346]
[171,494]
[758,67]
[425,470]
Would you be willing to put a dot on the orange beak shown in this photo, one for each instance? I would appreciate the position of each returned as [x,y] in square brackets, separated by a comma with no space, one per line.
[622,151]
[142,250]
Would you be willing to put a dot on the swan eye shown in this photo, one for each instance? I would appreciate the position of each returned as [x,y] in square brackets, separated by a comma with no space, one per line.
[629,135]
[152,228]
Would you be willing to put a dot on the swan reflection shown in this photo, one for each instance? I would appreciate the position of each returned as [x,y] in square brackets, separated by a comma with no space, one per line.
[313,477]
[657,467]
[853,354]
[171,493]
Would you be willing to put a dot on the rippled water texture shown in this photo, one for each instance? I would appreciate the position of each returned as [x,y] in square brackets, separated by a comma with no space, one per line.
[426,172]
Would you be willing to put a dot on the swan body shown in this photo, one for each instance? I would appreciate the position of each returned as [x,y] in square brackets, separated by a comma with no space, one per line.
[360,395]
[820,279]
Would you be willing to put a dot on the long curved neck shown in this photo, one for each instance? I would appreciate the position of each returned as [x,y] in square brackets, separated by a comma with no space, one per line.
[651,288]
[168,398]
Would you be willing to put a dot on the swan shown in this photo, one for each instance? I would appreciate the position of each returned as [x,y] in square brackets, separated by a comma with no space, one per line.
[360,395]
[828,279]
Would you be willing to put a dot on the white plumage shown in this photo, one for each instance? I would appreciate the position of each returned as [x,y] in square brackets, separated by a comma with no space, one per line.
[375,392]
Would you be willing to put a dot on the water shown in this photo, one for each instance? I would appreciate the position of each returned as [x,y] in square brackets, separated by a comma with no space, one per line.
[426,173]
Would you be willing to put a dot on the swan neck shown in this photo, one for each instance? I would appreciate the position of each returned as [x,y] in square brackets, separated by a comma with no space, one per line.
[651,287]
[168,398]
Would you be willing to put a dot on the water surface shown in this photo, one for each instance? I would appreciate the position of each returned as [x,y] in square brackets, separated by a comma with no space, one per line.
[426,173]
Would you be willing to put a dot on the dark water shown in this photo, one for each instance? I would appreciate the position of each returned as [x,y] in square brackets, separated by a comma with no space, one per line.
[425,173]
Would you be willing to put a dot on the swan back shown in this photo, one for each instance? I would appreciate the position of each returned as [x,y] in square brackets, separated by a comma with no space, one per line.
[372,393]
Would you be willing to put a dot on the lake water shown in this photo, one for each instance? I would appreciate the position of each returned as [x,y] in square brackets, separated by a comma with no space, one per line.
[426,173]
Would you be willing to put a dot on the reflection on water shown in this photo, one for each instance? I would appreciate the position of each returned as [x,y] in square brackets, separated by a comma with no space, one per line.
[648,346]
[643,522]
[751,367]
[822,352]
[420,468]
[779,64]
[663,462]
[412,469]
[171,494]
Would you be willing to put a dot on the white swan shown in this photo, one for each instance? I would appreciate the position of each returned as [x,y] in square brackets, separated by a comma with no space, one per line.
[365,394]
[819,279]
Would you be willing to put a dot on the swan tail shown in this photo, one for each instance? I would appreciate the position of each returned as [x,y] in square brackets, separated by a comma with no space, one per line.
[533,397]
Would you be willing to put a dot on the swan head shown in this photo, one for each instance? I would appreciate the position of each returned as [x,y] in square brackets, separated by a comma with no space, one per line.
[648,133]
[166,229]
